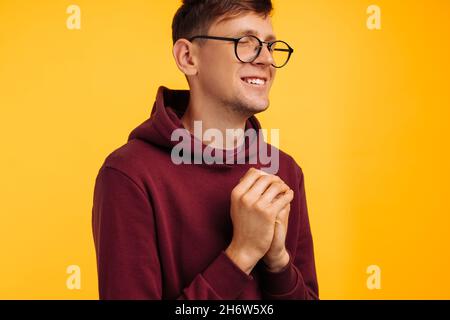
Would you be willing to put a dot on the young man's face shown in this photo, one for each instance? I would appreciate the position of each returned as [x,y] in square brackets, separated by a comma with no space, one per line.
[226,79]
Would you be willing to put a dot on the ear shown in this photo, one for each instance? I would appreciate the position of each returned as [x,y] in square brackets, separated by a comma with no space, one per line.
[185,58]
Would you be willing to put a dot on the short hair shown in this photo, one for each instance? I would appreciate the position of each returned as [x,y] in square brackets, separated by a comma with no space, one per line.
[195,17]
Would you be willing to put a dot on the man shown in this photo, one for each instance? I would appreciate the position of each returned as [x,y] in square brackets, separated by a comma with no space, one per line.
[166,229]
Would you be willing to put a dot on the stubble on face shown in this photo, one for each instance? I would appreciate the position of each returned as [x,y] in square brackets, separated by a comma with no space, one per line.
[223,74]
[243,107]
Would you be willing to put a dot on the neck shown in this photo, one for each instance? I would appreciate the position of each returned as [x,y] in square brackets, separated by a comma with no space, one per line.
[213,115]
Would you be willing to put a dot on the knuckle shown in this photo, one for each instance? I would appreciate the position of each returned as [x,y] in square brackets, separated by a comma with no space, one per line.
[252,170]
[290,194]
[258,206]
[246,200]
[235,193]
[281,184]
[278,186]
[266,212]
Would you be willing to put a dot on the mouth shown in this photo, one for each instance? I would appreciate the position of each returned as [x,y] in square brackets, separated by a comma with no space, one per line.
[254,81]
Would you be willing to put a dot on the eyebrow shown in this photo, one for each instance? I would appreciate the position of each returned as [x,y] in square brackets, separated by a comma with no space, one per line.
[251,32]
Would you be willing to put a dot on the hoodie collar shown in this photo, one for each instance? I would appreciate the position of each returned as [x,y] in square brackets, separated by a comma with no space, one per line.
[165,118]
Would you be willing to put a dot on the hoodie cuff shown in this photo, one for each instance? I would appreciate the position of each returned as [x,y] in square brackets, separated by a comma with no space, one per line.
[282,282]
[226,278]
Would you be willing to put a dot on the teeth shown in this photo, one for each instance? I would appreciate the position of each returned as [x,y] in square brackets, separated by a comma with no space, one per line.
[255,81]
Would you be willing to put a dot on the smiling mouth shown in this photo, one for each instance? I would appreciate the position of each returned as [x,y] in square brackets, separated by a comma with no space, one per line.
[255,81]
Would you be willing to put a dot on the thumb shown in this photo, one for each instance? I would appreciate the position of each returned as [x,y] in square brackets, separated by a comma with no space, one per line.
[280,230]
[283,215]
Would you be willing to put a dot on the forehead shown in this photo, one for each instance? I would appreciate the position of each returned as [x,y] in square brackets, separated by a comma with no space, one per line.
[245,24]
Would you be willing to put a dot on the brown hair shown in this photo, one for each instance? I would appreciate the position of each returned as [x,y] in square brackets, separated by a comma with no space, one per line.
[195,17]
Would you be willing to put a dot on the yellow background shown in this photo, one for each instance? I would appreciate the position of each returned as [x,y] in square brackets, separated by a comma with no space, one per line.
[365,113]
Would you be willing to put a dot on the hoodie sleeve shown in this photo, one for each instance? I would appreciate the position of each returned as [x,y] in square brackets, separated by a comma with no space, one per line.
[297,280]
[126,247]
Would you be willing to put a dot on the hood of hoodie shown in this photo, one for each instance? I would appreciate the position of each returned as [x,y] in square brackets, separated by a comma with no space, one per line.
[165,119]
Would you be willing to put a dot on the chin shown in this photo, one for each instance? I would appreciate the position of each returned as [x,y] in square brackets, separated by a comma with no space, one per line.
[250,103]
[261,107]
[257,102]
[254,107]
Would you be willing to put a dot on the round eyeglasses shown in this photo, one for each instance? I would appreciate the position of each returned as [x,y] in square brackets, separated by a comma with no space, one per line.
[248,49]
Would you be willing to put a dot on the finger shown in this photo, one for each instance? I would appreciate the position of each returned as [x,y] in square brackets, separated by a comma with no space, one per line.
[261,185]
[247,181]
[251,171]
[282,201]
[273,191]
[283,215]
[280,231]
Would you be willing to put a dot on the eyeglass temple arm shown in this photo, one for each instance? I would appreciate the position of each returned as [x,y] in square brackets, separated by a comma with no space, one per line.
[214,38]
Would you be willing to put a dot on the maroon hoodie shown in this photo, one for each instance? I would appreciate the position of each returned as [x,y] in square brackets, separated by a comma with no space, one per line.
[160,229]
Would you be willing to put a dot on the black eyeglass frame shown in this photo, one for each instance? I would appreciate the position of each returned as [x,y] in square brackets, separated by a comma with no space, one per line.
[261,43]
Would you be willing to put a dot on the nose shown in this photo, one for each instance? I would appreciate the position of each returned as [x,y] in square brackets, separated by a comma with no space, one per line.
[265,56]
